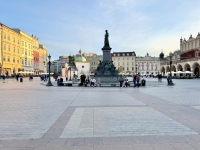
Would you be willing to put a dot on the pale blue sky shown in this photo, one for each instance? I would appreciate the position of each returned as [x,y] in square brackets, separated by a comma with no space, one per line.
[65,26]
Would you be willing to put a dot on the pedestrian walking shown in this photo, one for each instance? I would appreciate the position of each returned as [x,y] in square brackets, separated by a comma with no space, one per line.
[138,80]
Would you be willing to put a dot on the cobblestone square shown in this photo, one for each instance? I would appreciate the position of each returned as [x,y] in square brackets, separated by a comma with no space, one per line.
[33,116]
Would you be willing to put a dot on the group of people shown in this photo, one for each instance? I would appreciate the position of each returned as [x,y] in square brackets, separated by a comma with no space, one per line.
[125,83]
[86,80]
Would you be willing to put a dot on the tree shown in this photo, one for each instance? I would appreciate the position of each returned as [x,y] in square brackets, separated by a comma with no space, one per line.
[118,71]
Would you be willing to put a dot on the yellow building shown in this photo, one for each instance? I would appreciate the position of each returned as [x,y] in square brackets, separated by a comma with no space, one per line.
[10,51]
[20,52]
[27,50]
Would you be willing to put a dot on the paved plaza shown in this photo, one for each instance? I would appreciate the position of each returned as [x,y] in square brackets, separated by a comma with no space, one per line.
[155,117]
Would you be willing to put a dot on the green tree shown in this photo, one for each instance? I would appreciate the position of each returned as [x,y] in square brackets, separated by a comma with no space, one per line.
[118,71]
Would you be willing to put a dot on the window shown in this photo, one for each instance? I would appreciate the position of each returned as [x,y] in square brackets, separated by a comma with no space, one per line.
[14,49]
[29,53]
[118,54]
[14,40]
[123,63]
[22,61]
[132,58]
[123,58]
[118,58]
[123,68]
[123,54]
[4,46]
[132,54]
[127,68]
[18,50]
[25,44]
[29,46]
[18,41]
[127,58]
[127,54]
[18,60]
[9,37]
[82,66]
[8,59]
[114,58]
[118,63]
[4,36]
[22,51]
[25,52]
[8,47]
[151,67]
[132,63]
[4,58]
[132,68]
[127,63]
[25,62]
[14,59]
[114,54]
[22,43]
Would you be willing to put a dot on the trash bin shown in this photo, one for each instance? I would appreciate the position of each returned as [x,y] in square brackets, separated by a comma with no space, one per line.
[143,82]
[21,79]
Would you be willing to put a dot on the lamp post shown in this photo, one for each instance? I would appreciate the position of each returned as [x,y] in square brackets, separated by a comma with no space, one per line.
[170,83]
[49,82]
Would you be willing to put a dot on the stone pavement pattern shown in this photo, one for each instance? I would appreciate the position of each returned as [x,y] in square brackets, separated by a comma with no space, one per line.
[155,117]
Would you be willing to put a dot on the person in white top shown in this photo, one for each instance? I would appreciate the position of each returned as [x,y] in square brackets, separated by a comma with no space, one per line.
[92,82]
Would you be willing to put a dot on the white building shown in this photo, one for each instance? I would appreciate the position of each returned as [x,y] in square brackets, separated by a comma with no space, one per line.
[148,65]
[124,61]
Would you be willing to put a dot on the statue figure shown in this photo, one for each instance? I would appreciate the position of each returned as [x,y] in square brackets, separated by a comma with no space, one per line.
[107,66]
[106,42]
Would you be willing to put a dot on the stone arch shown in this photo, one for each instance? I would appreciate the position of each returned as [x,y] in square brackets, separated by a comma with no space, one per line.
[179,67]
[163,70]
[173,68]
[196,69]
[167,69]
[187,67]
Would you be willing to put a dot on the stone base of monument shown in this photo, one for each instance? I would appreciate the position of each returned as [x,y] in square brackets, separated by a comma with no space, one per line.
[110,80]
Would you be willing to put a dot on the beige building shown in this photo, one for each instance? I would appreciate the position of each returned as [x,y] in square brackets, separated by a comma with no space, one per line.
[125,62]
[148,65]
[43,62]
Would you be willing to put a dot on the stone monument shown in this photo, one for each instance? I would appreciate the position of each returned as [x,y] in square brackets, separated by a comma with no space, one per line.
[106,71]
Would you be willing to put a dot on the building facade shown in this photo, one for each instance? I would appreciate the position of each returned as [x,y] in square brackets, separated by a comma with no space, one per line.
[27,51]
[94,61]
[36,55]
[125,62]
[185,59]
[43,62]
[148,65]
[10,51]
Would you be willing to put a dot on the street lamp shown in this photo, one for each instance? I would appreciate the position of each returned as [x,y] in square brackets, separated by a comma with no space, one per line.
[170,83]
[49,82]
